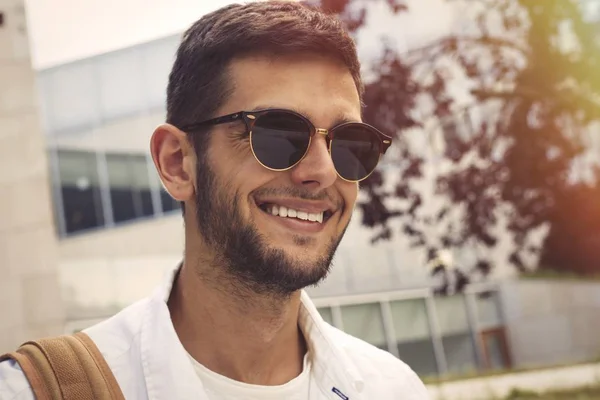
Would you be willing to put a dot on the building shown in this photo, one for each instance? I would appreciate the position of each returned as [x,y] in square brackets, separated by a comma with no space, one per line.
[115,231]
[118,231]
[30,302]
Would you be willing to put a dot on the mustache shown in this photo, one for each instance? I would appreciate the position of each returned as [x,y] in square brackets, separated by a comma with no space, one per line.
[297,192]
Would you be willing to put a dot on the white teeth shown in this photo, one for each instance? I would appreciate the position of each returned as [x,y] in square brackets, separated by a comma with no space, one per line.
[290,213]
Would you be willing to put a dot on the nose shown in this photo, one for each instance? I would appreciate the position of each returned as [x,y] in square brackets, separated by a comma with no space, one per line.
[316,170]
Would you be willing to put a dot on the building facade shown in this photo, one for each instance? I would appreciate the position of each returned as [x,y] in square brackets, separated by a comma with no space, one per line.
[120,231]
[105,231]
[30,301]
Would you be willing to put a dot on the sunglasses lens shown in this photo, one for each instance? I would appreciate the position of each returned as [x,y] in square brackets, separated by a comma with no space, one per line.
[280,139]
[355,151]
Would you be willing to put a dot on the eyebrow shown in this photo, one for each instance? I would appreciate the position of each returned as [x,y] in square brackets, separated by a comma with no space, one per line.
[341,118]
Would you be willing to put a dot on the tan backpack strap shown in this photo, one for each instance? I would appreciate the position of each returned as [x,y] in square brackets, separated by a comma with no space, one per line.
[71,368]
[109,381]
[40,388]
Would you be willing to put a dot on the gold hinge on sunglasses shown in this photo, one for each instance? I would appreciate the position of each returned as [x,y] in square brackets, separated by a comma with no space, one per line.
[323,132]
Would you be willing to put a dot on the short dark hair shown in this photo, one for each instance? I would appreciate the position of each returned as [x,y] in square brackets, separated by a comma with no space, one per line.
[199,81]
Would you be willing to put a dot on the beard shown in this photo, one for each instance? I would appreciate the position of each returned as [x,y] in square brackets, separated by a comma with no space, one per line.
[242,252]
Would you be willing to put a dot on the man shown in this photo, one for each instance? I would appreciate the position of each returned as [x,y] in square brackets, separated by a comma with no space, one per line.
[264,147]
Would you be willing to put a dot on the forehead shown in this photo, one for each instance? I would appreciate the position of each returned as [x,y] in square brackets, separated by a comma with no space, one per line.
[316,86]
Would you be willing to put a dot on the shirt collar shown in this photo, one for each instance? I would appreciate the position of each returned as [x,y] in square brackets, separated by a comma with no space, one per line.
[333,370]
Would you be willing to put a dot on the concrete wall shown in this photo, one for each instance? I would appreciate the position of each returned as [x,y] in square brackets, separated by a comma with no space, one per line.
[30,301]
[102,272]
[552,322]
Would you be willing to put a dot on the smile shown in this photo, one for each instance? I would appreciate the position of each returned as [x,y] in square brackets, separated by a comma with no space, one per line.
[286,212]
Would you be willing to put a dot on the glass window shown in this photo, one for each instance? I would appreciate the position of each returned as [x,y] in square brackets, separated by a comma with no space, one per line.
[495,351]
[413,337]
[488,310]
[129,186]
[70,97]
[456,334]
[326,314]
[168,203]
[142,186]
[365,322]
[157,60]
[121,89]
[80,189]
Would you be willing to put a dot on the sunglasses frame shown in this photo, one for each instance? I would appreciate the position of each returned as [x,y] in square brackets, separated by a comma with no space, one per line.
[249,118]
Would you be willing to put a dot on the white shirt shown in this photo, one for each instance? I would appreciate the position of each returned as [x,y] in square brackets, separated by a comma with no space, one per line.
[219,387]
[149,362]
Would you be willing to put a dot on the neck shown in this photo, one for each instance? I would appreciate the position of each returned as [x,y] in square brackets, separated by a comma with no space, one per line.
[249,337]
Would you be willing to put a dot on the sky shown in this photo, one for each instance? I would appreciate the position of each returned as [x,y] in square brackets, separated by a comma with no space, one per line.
[66,30]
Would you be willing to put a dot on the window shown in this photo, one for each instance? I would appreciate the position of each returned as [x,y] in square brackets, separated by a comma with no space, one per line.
[120,83]
[129,185]
[495,349]
[326,314]
[80,190]
[167,202]
[365,322]
[69,96]
[157,59]
[491,331]
[413,337]
[141,186]
[488,310]
[456,334]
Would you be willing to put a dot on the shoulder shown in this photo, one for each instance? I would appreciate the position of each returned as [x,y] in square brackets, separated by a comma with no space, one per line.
[119,341]
[13,384]
[117,334]
[376,365]
[116,338]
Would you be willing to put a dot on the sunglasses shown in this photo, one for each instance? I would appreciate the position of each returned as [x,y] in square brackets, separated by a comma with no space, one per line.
[280,139]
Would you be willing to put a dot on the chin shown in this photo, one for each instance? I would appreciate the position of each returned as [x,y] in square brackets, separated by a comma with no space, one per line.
[302,248]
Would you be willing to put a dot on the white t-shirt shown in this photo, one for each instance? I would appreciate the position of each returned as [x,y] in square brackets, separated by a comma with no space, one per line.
[219,387]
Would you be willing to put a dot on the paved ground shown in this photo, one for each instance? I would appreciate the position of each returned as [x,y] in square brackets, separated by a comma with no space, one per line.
[499,386]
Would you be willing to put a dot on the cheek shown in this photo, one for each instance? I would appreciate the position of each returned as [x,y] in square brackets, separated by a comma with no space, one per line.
[349,192]
[234,161]
[243,178]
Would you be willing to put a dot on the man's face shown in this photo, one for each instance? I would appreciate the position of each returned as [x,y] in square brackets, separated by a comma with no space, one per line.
[235,195]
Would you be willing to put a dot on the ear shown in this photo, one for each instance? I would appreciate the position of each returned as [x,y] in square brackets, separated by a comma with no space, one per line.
[175,161]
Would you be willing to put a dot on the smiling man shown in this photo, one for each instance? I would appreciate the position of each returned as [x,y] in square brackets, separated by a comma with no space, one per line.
[264,146]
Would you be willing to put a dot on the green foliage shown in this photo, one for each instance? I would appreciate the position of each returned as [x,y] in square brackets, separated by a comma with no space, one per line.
[587,393]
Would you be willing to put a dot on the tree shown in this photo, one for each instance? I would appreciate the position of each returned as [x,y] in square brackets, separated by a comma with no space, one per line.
[529,69]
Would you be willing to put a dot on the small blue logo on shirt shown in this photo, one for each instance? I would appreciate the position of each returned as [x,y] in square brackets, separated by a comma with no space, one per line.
[342,395]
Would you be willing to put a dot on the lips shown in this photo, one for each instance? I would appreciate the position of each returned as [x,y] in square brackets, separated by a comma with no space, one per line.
[309,214]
